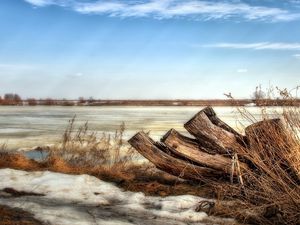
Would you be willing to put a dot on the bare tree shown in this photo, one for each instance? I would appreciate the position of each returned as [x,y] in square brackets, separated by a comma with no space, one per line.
[81,100]
[12,99]
[49,101]
[258,94]
[32,101]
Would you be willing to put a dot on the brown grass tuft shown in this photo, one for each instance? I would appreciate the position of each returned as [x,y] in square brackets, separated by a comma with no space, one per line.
[17,161]
[81,147]
[16,216]
[107,157]
[271,192]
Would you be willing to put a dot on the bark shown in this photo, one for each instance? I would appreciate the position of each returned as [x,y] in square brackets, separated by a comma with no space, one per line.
[265,131]
[213,133]
[211,114]
[189,149]
[268,137]
[272,144]
[166,162]
[178,139]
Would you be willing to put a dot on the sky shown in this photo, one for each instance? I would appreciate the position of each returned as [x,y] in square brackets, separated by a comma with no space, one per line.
[148,49]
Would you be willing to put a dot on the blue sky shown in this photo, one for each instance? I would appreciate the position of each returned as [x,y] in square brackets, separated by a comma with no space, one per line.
[148,49]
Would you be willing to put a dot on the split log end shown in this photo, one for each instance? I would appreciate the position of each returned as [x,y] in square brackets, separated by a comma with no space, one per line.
[156,154]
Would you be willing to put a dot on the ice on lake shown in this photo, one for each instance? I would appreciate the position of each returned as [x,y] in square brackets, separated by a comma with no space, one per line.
[25,126]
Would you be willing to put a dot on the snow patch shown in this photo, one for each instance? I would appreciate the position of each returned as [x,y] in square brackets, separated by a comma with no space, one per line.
[83,199]
[250,104]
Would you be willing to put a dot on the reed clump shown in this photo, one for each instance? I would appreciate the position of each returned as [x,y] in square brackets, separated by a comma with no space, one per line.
[270,193]
[108,157]
[81,147]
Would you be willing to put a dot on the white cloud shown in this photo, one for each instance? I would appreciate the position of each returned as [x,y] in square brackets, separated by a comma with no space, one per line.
[76,75]
[99,7]
[297,56]
[294,1]
[39,2]
[242,70]
[257,46]
[197,9]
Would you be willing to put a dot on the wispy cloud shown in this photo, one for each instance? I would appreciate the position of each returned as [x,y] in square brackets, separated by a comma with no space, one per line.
[294,1]
[40,3]
[160,9]
[256,46]
[242,70]
[297,56]
[75,75]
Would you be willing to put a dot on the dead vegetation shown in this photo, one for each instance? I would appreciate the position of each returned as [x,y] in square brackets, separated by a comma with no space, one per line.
[138,178]
[81,147]
[15,216]
[107,157]
[255,175]
[271,192]
[260,171]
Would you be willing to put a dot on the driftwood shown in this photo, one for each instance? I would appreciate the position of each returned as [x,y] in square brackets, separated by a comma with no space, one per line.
[273,146]
[275,149]
[166,162]
[186,141]
[260,132]
[218,151]
[191,150]
[211,114]
[213,133]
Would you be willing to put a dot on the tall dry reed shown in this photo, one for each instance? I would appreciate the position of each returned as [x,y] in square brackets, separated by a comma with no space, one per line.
[79,146]
[271,190]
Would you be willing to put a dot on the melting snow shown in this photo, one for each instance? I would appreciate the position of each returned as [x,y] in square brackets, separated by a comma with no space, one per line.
[83,199]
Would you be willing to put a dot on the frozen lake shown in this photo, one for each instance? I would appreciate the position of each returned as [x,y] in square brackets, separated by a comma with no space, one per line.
[25,126]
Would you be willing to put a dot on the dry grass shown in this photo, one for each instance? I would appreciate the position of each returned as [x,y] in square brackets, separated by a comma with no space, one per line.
[271,192]
[133,177]
[81,147]
[17,161]
[15,216]
[107,157]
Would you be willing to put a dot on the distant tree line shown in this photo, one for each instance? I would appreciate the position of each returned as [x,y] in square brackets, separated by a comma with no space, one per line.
[15,99]
[258,98]
[10,99]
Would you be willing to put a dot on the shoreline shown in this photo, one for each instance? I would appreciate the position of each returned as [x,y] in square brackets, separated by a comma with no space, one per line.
[176,102]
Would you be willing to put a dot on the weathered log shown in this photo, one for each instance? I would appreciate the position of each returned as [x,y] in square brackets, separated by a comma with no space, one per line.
[269,139]
[264,131]
[163,161]
[211,114]
[189,149]
[271,143]
[174,139]
[213,133]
